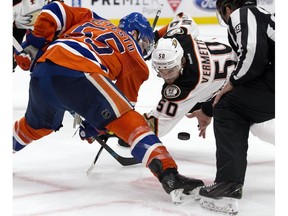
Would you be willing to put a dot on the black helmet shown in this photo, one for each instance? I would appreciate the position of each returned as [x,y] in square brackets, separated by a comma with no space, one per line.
[233,4]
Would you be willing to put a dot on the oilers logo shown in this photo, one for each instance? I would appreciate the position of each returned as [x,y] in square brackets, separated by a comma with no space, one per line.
[172,91]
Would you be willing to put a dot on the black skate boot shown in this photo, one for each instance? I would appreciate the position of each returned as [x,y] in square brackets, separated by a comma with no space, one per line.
[178,186]
[221,197]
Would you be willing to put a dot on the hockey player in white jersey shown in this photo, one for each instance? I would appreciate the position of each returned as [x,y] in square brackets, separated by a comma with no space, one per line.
[193,71]
[25,13]
[198,81]
[181,23]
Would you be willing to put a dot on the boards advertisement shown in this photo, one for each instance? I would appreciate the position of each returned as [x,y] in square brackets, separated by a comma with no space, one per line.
[202,11]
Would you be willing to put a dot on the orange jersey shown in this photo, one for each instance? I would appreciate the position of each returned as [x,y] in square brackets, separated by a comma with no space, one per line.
[89,43]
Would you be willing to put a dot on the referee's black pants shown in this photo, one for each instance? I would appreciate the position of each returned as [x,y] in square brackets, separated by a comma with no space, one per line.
[233,115]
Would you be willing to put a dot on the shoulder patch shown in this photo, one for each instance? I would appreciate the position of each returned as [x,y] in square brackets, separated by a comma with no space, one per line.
[237,28]
[172,91]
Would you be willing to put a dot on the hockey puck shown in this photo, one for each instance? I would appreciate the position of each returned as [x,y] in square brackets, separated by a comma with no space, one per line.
[183,136]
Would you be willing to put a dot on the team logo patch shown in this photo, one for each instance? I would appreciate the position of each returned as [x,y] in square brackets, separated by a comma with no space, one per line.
[172,91]
[30,18]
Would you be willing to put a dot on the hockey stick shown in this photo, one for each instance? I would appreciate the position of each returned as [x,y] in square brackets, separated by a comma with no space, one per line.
[124,161]
[94,162]
[157,16]
[147,54]
[16,45]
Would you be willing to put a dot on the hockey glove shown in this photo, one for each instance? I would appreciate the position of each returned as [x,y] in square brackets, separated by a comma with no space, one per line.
[33,47]
[88,132]
[23,60]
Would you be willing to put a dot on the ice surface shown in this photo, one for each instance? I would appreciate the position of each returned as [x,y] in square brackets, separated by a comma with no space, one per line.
[49,176]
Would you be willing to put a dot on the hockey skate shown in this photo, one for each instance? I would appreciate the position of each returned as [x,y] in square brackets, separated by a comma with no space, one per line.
[180,188]
[221,197]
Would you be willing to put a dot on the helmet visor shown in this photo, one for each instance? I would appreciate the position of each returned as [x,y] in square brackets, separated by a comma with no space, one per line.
[147,48]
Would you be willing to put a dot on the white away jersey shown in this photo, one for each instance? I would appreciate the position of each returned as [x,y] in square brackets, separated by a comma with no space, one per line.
[25,12]
[208,65]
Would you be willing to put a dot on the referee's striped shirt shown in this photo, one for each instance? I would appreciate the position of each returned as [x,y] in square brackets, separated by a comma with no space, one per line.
[251,34]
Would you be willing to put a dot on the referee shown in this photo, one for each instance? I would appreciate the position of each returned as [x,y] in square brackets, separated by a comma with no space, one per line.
[248,97]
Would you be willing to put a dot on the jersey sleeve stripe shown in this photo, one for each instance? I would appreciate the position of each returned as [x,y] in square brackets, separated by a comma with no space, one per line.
[80,50]
[59,15]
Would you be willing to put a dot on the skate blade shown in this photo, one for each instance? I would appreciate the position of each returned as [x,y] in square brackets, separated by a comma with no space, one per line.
[179,197]
[225,205]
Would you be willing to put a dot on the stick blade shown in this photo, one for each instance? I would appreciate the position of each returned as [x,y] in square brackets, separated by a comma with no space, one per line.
[88,172]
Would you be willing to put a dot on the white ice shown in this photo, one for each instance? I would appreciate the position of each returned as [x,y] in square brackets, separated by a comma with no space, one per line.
[49,176]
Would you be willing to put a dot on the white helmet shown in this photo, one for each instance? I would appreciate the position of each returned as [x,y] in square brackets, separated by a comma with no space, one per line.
[167,54]
[185,23]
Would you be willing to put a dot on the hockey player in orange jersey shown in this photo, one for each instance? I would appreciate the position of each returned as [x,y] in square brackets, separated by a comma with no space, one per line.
[95,69]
